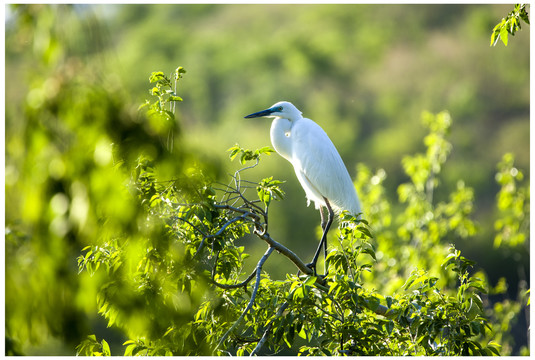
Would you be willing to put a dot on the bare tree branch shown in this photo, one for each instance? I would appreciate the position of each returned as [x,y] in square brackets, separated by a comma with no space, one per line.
[283,250]
[235,286]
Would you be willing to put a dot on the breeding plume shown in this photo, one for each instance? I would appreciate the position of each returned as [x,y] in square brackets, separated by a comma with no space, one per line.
[317,164]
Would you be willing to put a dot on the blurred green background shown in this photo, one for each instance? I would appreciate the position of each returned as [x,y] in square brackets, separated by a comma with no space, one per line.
[75,75]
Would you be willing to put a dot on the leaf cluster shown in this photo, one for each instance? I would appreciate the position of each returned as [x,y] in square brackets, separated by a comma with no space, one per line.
[160,112]
[93,347]
[509,25]
[513,205]
[248,155]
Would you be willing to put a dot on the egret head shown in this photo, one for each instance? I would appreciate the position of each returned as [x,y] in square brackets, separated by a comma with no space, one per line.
[282,109]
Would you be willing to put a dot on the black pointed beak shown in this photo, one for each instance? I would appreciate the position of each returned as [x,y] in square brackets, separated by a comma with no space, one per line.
[266,112]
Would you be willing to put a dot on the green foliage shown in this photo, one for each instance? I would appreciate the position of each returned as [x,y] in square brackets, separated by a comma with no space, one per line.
[64,185]
[248,155]
[164,92]
[160,113]
[91,347]
[268,189]
[228,311]
[509,25]
[75,155]
[424,224]
[512,225]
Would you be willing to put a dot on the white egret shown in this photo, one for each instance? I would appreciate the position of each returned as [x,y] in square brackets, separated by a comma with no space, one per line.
[317,164]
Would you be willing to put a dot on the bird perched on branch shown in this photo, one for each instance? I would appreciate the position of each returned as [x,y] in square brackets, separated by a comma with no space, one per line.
[317,164]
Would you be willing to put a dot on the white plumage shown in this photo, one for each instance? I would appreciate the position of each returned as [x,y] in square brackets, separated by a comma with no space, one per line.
[317,164]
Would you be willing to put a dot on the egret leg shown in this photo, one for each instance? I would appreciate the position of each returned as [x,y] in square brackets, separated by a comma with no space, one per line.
[325,225]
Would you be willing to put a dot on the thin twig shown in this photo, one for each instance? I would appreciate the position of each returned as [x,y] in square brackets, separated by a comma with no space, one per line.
[253,296]
[268,329]
[235,286]
[237,177]
[228,223]
[220,231]
[237,209]
[192,225]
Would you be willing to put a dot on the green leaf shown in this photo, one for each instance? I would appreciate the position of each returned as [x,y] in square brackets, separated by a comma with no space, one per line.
[265,150]
[105,348]
[156,76]
[303,334]
[504,35]
[389,327]
[494,347]
[410,281]
[372,303]
[524,14]
[369,251]
[365,231]
[234,151]
[244,157]
[178,72]
[493,39]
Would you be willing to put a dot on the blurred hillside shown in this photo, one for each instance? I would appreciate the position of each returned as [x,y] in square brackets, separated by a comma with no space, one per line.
[364,73]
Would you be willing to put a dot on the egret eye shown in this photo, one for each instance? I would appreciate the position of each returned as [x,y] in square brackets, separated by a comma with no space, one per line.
[280,108]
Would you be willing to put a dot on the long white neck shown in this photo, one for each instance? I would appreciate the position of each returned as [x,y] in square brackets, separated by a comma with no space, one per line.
[281,136]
